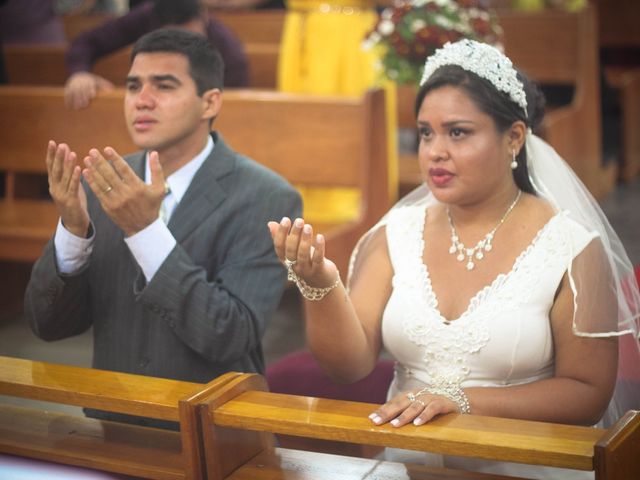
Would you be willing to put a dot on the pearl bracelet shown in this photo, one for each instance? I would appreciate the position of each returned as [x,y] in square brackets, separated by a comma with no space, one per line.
[310,293]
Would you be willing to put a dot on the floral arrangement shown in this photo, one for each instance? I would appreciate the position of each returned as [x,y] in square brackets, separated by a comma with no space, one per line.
[411,30]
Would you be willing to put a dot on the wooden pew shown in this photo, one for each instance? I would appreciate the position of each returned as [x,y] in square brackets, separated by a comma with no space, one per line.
[31,116]
[44,65]
[76,23]
[312,141]
[259,31]
[110,446]
[242,412]
[552,47]
[620,53]
[253,26]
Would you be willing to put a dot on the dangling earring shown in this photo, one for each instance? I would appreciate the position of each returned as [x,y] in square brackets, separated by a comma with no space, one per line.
[514,163]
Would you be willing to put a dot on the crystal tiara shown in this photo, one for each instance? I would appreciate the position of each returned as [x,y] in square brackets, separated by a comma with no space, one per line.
[483,60]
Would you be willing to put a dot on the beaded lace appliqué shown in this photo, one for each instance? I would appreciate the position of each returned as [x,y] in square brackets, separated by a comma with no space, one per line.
[448,344]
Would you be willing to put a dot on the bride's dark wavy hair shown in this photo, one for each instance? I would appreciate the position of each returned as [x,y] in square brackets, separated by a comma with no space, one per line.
[495,103]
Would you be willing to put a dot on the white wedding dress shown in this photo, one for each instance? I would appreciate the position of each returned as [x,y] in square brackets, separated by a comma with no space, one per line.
[503,338]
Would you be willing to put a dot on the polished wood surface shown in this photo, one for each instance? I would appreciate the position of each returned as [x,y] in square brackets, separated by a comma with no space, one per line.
[101,389]
[466,435]
[109,446]
[244,405]
[617,453]
[232,421]
[85,442]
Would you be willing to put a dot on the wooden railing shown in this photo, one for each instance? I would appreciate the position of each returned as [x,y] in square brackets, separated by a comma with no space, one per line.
[228,426]
[243,406]
[110,446]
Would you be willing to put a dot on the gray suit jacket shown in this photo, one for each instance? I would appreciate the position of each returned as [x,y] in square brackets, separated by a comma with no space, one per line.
[207,307]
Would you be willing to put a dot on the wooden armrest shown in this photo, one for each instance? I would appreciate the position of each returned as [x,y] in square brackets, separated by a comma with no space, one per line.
[101,389]
[466,435]
[244,405]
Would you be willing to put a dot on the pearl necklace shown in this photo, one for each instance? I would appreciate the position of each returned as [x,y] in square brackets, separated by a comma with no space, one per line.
[484,245]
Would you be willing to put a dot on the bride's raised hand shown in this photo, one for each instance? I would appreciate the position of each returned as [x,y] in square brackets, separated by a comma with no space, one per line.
[295,243]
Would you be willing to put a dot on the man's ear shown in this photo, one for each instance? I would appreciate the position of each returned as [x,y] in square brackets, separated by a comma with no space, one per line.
[211,103]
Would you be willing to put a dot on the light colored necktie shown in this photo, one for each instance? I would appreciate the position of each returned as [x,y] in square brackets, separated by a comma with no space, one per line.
[165,206]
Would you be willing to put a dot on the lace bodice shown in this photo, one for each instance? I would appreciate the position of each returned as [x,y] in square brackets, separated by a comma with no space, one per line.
[504,335]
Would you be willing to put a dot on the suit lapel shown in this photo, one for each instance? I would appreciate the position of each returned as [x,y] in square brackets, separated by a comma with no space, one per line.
[205,194]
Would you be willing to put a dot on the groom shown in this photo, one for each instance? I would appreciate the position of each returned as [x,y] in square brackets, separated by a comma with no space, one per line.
[188,299]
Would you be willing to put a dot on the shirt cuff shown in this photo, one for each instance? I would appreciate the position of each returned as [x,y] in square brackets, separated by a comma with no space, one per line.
[72,252]
[151,246]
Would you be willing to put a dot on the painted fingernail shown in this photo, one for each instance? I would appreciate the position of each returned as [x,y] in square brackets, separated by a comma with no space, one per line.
[307,229]
[298,222]
[395,422]
[284,221]
[375,418]
[418,421]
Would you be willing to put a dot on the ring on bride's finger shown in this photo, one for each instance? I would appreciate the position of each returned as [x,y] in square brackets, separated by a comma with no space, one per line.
[411,397]
[417,400]
[289,263]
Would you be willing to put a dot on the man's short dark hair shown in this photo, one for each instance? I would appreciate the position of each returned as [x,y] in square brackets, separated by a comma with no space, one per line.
[206,66]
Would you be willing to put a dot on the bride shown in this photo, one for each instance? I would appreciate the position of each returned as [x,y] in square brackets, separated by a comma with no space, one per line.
[498,286]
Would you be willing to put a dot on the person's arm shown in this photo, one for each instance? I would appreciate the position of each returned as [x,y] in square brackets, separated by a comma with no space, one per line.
[55,304]
[579,391]
[343,330]
[236,64]
[112,35]
[82,86]
[222,312]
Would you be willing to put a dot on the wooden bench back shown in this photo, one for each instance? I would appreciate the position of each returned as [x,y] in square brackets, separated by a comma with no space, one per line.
[259,32]
[44,65]
[556,47]
[312,141]
[120,448]
[76,23]
[243,406]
